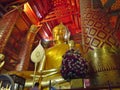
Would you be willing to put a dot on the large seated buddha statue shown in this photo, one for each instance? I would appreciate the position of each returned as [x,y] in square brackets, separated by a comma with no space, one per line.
[54,55]
[50,66]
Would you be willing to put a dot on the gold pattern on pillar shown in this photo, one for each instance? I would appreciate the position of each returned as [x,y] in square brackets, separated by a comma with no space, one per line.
[6,26]
[100,45]
[116,6]
[25,52]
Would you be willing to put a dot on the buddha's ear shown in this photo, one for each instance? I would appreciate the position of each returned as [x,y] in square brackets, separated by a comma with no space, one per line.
[67,35]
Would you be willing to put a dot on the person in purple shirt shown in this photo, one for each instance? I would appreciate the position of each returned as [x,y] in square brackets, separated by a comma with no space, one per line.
[36,86]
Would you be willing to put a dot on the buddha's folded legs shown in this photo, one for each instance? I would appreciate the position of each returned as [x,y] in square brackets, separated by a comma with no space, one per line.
[46,81]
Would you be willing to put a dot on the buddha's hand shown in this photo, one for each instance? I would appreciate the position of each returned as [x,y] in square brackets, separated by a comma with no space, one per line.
[2,60]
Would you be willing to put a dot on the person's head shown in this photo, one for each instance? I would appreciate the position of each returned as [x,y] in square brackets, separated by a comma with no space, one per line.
[59,33]
[36,84]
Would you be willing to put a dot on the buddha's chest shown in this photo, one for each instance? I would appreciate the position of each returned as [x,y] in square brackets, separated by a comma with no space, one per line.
[54,56]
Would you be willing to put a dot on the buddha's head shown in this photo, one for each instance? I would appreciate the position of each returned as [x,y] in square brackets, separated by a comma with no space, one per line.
[60,34]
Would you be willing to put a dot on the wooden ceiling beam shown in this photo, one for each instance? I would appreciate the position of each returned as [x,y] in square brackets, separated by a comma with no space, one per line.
[109,3]
[57,14]
[55,17]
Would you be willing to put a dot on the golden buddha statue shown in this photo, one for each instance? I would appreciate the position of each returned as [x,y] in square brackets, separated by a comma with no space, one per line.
[54,55]
[49,67]
[48,70]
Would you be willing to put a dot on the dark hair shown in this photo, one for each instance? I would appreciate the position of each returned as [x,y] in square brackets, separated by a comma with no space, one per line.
[36,84]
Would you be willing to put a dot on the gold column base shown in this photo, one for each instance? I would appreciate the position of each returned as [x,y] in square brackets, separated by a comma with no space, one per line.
[77,83]
[106,79]
[104,67]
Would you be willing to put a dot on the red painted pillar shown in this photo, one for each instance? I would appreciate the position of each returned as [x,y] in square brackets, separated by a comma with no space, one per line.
[25,52]
[7,23]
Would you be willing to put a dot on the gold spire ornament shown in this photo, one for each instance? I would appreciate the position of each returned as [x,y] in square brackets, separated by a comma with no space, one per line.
[2,62]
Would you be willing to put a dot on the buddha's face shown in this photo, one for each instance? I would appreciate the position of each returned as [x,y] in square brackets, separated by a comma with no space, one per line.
[59,33]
